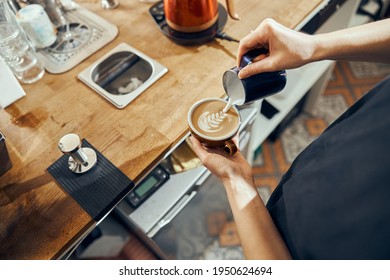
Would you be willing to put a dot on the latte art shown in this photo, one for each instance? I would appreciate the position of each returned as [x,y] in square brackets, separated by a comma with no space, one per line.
[215,122]
[211,122]
[214,119]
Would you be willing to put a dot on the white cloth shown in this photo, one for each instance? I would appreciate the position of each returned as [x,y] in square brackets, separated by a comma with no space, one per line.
[10,89]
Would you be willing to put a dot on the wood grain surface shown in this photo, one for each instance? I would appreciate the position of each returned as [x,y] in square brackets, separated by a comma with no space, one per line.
[38,220]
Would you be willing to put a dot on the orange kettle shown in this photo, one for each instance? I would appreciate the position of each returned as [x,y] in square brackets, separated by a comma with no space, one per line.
[194,15]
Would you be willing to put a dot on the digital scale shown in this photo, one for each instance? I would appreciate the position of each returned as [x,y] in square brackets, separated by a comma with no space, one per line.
[147,186]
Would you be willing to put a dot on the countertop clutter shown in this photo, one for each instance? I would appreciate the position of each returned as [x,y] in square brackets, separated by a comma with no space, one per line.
[39,220]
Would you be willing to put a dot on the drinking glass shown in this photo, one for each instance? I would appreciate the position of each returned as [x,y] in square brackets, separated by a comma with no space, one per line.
[15,49]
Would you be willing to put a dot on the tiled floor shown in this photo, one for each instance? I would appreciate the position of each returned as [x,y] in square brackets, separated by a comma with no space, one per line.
[349,82]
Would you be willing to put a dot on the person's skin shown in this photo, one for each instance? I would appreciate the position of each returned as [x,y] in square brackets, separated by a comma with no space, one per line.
[259,237]
[288,49]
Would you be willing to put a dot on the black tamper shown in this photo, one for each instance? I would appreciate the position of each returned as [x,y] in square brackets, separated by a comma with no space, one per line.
[80,159]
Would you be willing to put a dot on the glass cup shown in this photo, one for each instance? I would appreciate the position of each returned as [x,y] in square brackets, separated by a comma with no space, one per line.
[16,50]
[37,26]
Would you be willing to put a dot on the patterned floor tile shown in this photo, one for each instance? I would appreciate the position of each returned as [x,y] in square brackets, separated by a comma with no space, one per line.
[215,222]
[315,126]
[361,91]
[365,70]
[263,163]
[266,182]
[331,96]
[228,236]
[284,157]
[359,73]
[336,79]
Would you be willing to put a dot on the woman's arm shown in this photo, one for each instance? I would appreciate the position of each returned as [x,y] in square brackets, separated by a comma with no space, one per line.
[290,49]
[258,235]
[368,42]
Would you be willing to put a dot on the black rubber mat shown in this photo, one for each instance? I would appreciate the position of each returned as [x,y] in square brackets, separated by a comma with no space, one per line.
[98,190]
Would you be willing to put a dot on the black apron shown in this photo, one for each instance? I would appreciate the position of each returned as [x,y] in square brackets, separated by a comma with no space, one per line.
[334,201]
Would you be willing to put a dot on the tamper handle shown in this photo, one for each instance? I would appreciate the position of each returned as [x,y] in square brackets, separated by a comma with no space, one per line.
[70,144]
[80,159]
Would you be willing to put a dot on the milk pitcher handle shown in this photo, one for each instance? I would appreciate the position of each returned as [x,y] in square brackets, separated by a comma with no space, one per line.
[249,56]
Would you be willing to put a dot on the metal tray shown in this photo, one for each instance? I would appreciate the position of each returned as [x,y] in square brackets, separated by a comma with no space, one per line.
[122,74]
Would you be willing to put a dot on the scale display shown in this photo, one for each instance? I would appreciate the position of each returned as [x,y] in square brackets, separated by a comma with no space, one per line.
[148,186]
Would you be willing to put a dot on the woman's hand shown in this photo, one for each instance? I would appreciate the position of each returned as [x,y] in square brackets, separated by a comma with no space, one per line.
[287,48]
[225,167]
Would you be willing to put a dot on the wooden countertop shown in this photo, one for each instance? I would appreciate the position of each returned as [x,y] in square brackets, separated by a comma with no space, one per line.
[38,219]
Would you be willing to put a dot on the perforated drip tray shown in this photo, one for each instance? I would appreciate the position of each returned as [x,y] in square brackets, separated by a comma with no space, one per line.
[122,74]
[90,33]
